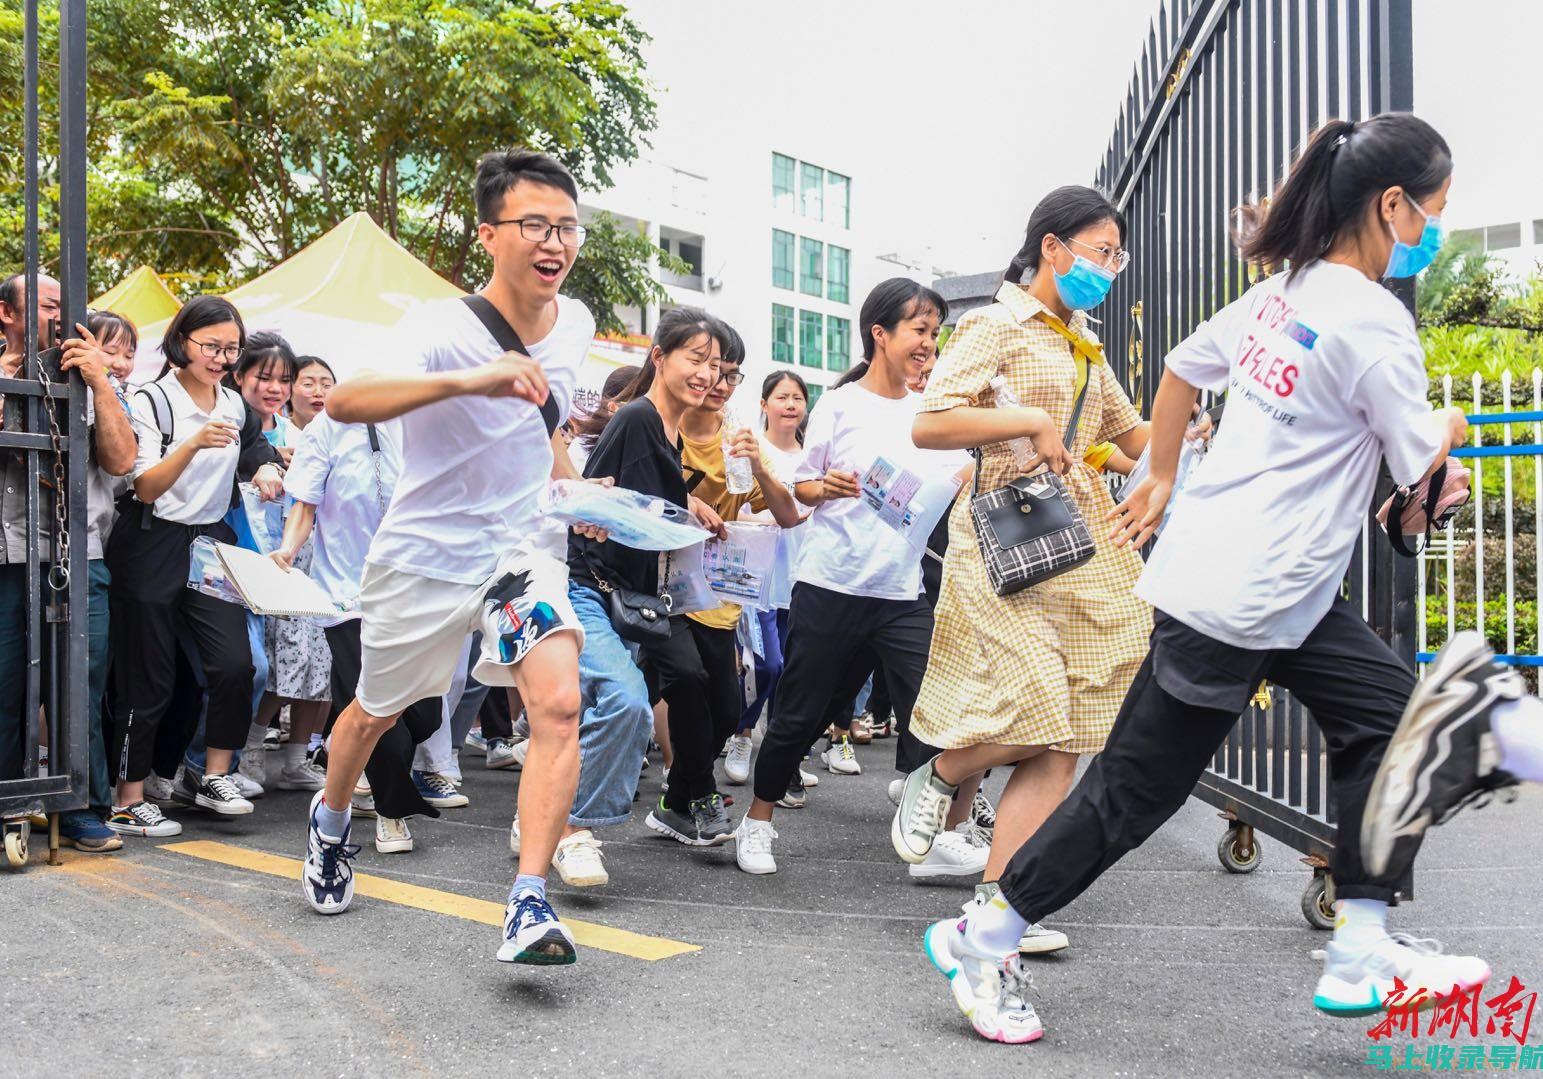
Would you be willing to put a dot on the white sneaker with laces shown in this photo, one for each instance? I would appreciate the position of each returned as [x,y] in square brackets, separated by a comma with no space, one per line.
[1036,939]
[992,991]
[514,837]
[925,799]
[1359,981]
[840,759]
[753,846]
[304,776]
[157,789]
[247,788]
[254,765]
[577,861]
[959,853]
[736,766]
[501,754]
[392,836]
[809,778]
[521,748]
[144,819]
[218,793]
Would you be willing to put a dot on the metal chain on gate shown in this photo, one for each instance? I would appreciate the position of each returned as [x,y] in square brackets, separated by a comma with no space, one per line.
[59,572]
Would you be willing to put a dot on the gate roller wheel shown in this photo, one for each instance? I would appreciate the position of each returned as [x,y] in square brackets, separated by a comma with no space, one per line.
[1239,852]
[1317,907]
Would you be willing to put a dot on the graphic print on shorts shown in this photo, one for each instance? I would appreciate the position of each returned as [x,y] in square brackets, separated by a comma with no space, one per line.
[518,631]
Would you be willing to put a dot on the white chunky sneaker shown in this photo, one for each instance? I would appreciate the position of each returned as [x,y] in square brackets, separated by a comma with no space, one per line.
[991,990]
[960,853]
[392,836]
[840,759]
[1359,981]
[753,846]
[577,861]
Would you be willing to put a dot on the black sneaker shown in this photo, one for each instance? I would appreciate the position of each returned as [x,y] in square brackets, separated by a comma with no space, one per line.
[712,819]
[681,827]
[797,795]
[982,812]
[218,794]
[1443,755]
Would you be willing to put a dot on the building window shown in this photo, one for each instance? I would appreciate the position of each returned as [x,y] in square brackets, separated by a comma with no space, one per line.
[837,269]
[782,182]
[691,255]
[838,199]
[1503,237]
[782,259]
[782,334]
[838,343]
[811,190]
[811,267]
[810,328]
[814,394]
[1537,232]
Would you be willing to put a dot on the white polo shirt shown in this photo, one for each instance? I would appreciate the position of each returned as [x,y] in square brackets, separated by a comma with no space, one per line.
[473,468]
[201,495]
[335,470]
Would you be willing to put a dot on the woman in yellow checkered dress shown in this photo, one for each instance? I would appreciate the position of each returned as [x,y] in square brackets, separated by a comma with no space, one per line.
[1036,678]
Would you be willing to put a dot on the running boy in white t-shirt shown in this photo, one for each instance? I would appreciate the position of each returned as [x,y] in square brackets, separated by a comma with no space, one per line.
[454,553]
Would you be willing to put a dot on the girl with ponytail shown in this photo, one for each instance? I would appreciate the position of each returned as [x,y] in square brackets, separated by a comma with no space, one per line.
[1325,380]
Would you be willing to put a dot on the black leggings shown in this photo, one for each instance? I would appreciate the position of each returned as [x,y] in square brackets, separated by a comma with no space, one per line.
[696,671]
[390,765]
[150,604]
[833,642]
[1184,700]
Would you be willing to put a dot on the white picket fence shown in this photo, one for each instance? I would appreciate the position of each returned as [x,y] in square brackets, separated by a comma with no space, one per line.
[1491,445]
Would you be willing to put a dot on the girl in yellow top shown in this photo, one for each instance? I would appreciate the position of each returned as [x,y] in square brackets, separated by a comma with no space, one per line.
[1034,679]
[697,670]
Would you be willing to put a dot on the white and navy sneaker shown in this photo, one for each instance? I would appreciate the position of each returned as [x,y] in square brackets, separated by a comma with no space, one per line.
[1358,982]
[991,990]
[500,754]
[533,934]
[438,790]
[218,793]
[144,819]
[1443,755]
[327,878]
[476,741]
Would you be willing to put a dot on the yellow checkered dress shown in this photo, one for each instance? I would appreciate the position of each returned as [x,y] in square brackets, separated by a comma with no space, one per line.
[1049,665]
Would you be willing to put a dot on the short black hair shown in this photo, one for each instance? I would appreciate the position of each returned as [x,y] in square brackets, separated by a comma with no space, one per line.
[733,345]
[10,290]
[499,171]
[197,314]
[109,326]
[302,362]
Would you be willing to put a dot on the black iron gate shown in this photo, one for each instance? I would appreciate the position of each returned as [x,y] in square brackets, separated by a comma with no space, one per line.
[46,428]
[1224,94]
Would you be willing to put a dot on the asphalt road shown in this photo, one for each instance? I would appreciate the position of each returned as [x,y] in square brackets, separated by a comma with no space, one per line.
[157,962]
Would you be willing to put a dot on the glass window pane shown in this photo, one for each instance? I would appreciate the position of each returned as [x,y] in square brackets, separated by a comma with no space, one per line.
[812,267]
[782,259]
[810,346]
[1503,237]
[691,255]
[814,393]
[838,196]
[838,344]
[811,189]
[782,182]
[837,269]
[782,333]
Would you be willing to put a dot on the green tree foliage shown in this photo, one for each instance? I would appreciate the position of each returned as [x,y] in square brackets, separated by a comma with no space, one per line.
[227,134]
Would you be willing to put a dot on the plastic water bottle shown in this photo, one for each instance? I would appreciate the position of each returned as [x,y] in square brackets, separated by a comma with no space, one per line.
[1022,447]
[739,477]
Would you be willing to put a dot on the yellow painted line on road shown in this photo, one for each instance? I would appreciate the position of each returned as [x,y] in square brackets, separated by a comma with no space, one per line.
[586,934]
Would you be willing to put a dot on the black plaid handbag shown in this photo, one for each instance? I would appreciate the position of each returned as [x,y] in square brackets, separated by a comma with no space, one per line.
[1030,530]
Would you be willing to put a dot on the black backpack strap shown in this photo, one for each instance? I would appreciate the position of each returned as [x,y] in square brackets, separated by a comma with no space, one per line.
[509,341]
[160,407]
[1401,501]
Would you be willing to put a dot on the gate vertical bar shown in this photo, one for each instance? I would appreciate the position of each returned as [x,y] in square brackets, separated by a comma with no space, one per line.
[31,408]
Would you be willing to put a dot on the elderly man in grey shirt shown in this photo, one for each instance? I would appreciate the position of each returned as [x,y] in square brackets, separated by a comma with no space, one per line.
[112,454]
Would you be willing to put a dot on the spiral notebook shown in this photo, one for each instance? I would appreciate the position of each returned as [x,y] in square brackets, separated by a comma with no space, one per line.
[268,589]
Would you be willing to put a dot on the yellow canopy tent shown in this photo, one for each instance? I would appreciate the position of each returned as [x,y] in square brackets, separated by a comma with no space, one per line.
[141,297]
[339,298]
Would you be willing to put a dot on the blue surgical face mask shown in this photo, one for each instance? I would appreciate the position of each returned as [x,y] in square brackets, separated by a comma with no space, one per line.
[1406,261]
[1085,285]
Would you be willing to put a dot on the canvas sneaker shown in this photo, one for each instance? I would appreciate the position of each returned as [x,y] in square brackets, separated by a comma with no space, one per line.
[304,776]
[736,765]
[533,934]
[143,819]
[577,861]
[254,765]
[157,789]
[982,812]
[924,802]
[1443,755]
[991,990]
[438,791]
[246,786]
[475,741]
[392,836]
[500,753]
[841,759]
[753,846]
[218,794]
[1359,981]
[959,853]
[327,877]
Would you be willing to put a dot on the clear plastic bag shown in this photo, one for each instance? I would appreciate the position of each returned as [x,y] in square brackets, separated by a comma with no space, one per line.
[635,520]
[1190,455]
[265,519]
[740,569]
[687,586]
[207,575]
[790,543]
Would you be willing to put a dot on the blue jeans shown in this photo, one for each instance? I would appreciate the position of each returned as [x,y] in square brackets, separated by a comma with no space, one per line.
[99,785]
[617,719]
[197,756]
[768,668]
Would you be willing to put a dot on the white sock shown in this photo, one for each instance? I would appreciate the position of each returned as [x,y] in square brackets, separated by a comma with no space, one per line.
[1360,923]
[995,927]
[1518,728]
[294,755]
